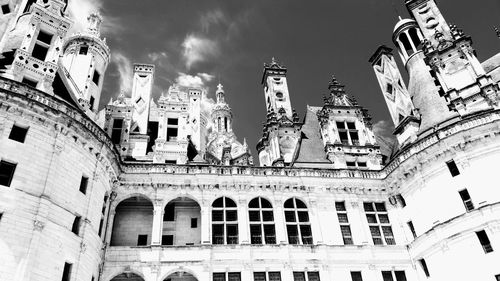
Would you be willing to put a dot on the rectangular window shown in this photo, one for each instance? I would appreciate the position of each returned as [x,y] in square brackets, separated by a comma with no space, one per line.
[66,272]
[169,214]
[7,170]
[356,276]
[29,82]
[5,9]
[84,50]
[379,224]
[397,275]
[101,224]
[301,276]
[267,276]
[348,133]
[116,132]
[91,103]
[226,276]
[452,166]
[412,229]
[423,264]
[485,241]
[464,194]
[40,52]
[142,240]
[218,234]
[497,277]
[194,222]
[76,225]
[172,134]
[345,227]
[44,37]
[83,184]
[96,78]
[167,240]
[18,133]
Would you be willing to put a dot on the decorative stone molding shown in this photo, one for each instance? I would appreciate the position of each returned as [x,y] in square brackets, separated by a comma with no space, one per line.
[38,225]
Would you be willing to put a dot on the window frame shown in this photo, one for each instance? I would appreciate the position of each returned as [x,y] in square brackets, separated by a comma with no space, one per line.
[226,239]
[485,241]
[301,240]
[379,225]
[10,175]
[261,223]
[84,183]
[341,210]
[18,133]
[348,131]
[40,44]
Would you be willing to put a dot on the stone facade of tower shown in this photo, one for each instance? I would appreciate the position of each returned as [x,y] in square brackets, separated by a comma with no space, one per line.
[281,132]
[166,197]
[85,59]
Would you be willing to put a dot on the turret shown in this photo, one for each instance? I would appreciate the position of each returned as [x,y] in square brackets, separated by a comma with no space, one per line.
[281,134]
[398,100]
[462,80]
[142,86]
[85,60]
[31,50]
[423,89]
[346,131]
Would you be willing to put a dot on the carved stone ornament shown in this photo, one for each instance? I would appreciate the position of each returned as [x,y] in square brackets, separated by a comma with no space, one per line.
[38,225]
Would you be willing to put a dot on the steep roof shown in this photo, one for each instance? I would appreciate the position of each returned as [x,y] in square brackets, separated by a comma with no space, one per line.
[311,150]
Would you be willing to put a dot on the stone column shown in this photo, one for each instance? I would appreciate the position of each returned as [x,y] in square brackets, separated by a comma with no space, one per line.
[157,222]
[205,223]
[315,226]
[243,228]
[280,224]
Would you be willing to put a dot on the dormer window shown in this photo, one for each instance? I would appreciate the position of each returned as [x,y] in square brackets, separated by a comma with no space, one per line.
[42,45]
[347,133]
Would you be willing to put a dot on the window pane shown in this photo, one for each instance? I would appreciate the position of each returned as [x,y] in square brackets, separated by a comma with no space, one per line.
[380,207]
[343,218]
[18,133]
[400,276]
[372,218]
[219,276]
[313,276]
[231,215]
[289,203]
[217,215]
[274,276]
[230,203]
[270,234]
[299,276]
[172,121]
[290,216]
[387,276]
[303,216]
[254,215]
[340,125]
[6,172]
[40,52]
[340,206]
[265,203]
[267,216]
[351,125]
[232,233]
[217,233]
[305,230]
[300,204]
[259,276]
[383,218]
[389,237]
[368,206]
[234,276]
[44,37]
[218,203]
[255,234]
[254,203]
[293,234]
[356,276]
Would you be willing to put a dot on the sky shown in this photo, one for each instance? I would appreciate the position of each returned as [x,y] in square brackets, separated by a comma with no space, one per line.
[199,43]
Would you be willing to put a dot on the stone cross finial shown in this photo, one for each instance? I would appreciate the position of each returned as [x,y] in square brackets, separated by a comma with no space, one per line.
[94,21]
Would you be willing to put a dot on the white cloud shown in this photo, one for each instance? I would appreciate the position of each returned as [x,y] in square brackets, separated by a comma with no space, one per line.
[197,49]
[157,56]
[79,11]
[382,128]
[199,80]
[125,70]
[210,18]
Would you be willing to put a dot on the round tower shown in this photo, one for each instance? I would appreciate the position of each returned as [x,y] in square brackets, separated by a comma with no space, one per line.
[221,115]
[85,59]
[408,38]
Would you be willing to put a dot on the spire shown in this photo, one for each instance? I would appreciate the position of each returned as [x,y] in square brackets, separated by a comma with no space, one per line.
[94,21]
[338,96]
[220,93]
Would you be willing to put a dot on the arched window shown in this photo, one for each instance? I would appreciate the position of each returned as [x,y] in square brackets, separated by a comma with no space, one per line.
[415,39]
[224,221]
[260,213]
[406,43]
[298,226]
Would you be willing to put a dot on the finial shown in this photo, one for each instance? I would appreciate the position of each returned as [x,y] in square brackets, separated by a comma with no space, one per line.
[273,61]
[94,21]
[220,87]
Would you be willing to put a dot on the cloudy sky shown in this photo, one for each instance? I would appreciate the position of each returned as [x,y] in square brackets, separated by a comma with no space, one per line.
[199,42]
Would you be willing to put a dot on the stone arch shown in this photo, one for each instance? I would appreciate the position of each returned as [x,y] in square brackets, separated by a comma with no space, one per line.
[124,197]
[181,222]
[187,195]
[134,275]
[179,270]
[132,222]
[224,195]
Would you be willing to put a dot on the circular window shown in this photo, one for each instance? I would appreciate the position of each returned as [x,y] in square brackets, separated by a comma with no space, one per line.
[279,95]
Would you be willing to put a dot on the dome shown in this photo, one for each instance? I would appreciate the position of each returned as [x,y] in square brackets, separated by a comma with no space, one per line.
[403,22]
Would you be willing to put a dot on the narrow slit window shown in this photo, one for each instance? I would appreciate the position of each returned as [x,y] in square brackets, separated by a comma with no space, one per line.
[345,227]
[116,132]
[194,222]
[7,170]
[452,166]
[76,225]
[96,78]
[412,229]
[83,184]
[423,264]
[18,133]
[485,241]
[66,272]
[169,214]
[464,194]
